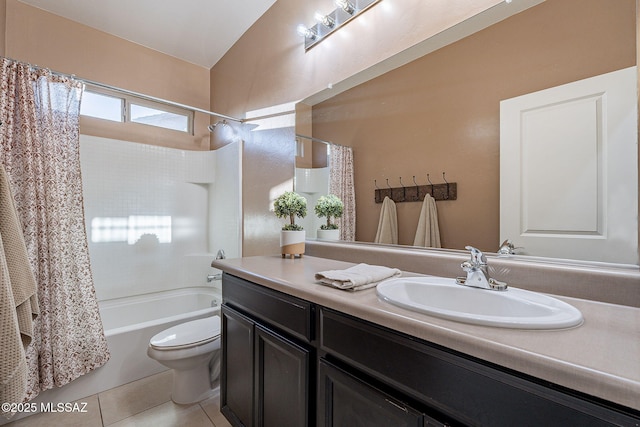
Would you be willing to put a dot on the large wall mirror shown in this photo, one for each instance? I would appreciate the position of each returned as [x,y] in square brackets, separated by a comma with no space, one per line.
[441,113]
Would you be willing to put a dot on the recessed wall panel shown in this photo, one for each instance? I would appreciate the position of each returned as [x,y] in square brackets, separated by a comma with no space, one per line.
[562,189]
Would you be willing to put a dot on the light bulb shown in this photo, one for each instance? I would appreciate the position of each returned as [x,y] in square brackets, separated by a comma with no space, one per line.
[325,20]
[306,32]
[346,6]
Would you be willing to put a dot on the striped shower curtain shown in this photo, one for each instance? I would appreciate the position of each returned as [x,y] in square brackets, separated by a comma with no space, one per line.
[40,150]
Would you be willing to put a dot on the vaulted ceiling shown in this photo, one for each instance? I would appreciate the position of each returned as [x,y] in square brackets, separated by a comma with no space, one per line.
[197,31]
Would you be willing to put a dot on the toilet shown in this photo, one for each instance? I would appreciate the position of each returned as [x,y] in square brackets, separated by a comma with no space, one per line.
[192,350]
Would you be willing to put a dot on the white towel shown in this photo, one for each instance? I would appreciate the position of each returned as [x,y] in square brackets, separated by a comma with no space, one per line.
[428,231]
[358,277]
[388,223]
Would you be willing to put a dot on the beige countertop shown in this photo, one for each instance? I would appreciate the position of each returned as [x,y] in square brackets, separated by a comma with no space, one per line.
[601,357]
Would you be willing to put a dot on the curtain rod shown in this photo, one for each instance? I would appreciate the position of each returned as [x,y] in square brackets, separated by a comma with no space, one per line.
[132,93]
[317,140]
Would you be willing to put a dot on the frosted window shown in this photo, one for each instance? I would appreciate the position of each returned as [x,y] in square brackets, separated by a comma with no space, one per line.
[101,106]
[160,118]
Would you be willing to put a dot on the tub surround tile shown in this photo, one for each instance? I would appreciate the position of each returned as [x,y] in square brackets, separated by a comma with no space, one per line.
[136,397]
[599,358]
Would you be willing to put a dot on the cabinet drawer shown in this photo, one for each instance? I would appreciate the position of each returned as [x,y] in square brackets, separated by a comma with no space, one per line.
[465,389]
[280,310]
[344,400]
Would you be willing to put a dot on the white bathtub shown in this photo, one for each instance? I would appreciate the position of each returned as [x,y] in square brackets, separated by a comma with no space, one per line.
[139,312]
[129,323]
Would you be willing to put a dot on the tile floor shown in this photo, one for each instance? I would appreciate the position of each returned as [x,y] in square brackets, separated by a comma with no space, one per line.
[146,402]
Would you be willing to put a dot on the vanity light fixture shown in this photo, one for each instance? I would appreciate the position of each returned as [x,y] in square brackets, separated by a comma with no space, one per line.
[327,24]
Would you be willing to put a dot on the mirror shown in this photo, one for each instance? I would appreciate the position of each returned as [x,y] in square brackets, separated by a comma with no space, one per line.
[440,113]
[311,178]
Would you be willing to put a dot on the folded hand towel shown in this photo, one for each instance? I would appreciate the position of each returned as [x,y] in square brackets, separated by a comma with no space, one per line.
[358,277]
[388,223]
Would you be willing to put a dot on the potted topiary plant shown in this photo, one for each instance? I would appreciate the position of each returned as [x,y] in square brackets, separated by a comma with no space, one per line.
[329,206]
[291,205]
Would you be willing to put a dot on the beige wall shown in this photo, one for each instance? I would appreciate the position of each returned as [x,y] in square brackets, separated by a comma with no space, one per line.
[441,112]
[3,20]
[268,66]
[41,38]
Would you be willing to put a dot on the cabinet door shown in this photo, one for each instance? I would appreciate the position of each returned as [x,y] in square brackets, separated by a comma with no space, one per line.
[345,401]
[282,382]
[236,377]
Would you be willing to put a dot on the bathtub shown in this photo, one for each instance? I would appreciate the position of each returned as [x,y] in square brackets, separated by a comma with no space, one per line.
[129,323]
[122,315]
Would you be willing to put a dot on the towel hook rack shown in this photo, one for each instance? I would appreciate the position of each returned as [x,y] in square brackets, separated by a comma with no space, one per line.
[416,192]
[445,181]
[416,197]
[429,179]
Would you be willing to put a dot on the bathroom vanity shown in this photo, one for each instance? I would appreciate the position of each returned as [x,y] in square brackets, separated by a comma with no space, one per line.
[297,353]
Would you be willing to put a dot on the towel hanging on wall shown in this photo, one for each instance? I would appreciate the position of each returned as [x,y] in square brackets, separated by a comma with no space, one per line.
[388,223]
[428,231]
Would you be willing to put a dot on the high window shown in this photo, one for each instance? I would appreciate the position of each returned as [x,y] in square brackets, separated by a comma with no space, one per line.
[107,105]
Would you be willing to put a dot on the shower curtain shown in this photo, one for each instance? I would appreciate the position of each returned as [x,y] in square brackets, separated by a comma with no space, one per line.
[341,184]
[40,150]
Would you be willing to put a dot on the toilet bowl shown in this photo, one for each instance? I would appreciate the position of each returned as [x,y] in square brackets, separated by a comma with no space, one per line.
[189,349]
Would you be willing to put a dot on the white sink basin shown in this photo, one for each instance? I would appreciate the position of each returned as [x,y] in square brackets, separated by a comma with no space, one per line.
[513,308]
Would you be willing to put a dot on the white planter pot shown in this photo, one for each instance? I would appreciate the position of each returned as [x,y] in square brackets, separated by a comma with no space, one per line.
[292,243]
[329,234]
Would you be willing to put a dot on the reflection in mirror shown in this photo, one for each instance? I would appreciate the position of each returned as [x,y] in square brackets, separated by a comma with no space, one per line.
[441,112]
[311,178]
[327,170]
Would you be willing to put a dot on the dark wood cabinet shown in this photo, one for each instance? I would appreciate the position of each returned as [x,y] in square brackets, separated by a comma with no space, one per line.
[345,400]
[465,390]
[266,359]
[282,369]
[287,362]
[236,377]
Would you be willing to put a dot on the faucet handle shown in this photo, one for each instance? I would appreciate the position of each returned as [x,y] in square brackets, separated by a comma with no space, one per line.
[507,248]
[477,257]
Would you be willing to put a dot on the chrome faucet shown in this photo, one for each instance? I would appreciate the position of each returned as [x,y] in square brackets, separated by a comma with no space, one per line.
[217,276]
[507,248]
[212,277]
[477,271]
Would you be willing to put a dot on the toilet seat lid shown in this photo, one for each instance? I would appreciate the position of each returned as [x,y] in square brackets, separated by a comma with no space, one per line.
[189,333]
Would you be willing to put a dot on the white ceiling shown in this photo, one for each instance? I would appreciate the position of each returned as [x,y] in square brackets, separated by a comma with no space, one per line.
[197,31]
